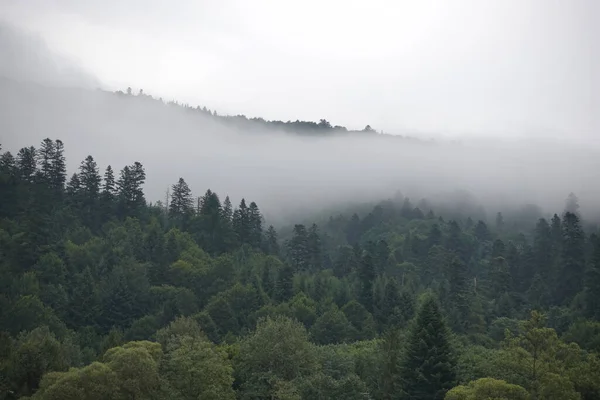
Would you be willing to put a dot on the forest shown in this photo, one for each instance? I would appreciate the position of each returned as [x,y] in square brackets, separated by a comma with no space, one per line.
[106,295]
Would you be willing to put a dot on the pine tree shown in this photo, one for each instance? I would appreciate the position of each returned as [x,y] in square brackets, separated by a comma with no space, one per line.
[59,166]
[74,189]
[366,276]
[254,225]
[241,222]
[498,249]
[391,300]
[26,163]
[481,231]
[90,179]
[285,283]
[227,210]
[313,240]
[500,279]
[543,251]
[435,236]
[391,378]
[108,188]
[131,195]
[298,249]
[182,203]
[573,258]
[45,154]
[592,282]
[272,246]
[428,369]
[460,294]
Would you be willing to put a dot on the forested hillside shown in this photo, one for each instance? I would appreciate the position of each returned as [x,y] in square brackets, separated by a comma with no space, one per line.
[104,295]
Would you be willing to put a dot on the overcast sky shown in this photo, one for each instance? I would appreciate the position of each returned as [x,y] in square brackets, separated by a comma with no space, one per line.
[510,67]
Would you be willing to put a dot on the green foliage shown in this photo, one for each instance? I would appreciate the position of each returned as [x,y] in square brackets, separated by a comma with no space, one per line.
[488,389]
[428,369]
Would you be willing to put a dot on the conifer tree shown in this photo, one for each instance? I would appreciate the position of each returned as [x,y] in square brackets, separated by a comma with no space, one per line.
[89,177]
[182,203]
[391,378]
[592,282]
[59,166]
[241,222]
[460,295]
[26,163]
[573,258]
[272,246]
[285,283]
[298,249]
[366,276]
[254,225]
[428,368]
[481,231]
[314,248]
[45,155]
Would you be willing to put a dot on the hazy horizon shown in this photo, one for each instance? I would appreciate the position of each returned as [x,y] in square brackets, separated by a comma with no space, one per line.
[550,150]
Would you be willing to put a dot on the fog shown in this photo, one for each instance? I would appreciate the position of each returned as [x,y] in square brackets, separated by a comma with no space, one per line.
[287,174]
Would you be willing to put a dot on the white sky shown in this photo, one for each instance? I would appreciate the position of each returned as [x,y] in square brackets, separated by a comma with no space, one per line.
[485,67]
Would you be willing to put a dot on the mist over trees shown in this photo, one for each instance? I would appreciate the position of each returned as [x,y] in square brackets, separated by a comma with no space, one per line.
[296,168]
[105,294]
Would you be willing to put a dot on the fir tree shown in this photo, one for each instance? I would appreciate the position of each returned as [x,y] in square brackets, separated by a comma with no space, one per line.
[313,242]
[428,366]
[285,283]
[182,203]
[45,154]
[272,246]
[109,187]
[89,177]
[59,166]
[254,225]
[592,282]
[298,248]
[26,163]
[367,276]
[573,261]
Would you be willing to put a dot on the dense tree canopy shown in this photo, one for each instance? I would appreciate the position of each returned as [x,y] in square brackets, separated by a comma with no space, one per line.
[104,295]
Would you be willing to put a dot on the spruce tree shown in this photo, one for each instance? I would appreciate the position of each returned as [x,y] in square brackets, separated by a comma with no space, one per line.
[90,180]
[241,222]
[391,378]
[573,258]
[460,294]
[59,166]
[45,154]
[366,276]
[298,249]
[272,246]
[481,231]
[499,222]
[26,163]
[284,288]
[592,282]
[182,203]
[109,187]
[428,368]
[314,248]
[254,225]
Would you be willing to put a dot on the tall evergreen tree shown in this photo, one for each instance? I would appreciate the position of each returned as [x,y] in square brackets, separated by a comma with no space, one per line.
[543,251]
[391,378]
[130,193]
[573,258]
[460,294]
[45,155]
[481,231]
[59,166]
[182,203]
[284,287]
[592,282]
[314,248]
[254,225]
[241,222]
[109,189]
[26,163]
[298,248]
[272,246]
[428,369]
[366,276]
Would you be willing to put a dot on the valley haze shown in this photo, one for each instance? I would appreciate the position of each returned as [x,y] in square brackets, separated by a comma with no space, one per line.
[288,174]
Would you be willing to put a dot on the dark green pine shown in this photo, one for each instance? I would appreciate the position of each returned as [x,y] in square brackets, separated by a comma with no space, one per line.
[428,369]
